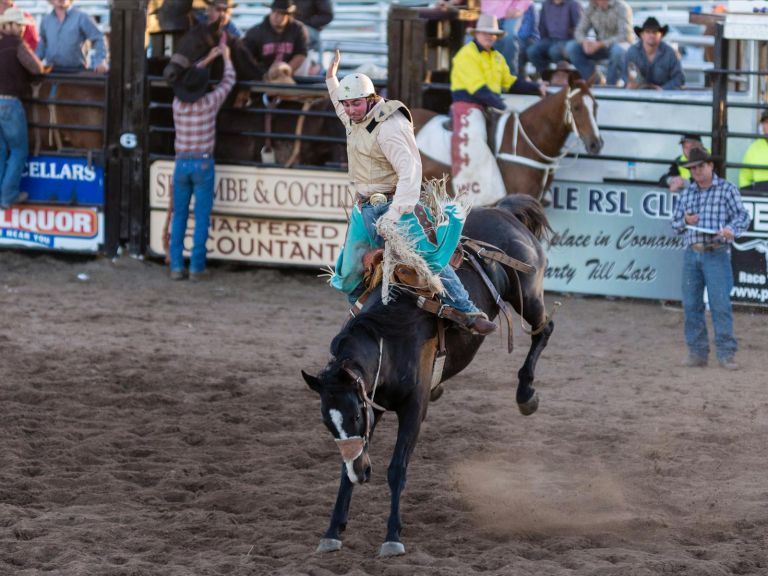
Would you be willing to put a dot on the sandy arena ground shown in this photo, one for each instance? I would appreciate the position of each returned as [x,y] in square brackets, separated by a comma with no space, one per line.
[159,428]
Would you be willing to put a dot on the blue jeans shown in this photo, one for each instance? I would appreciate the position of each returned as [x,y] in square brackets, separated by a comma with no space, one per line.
[585,64]
[508,46]
[546,51]
[455,294]
[711,270]
[191,176]
[14,147]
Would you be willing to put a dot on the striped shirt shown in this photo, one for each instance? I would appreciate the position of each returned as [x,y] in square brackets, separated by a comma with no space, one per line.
[718,207]
[195,122]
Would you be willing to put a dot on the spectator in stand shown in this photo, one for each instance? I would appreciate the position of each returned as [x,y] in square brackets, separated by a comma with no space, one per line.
[527,36]
[509,13]
[563,74]
[651,62]
[757,153]
[30,28]
[63,36]
[279,38]
[219,9]
[315,15]
[710,215]
[194,118]
[17,61]
[611,22]
[557,24]
[678,176]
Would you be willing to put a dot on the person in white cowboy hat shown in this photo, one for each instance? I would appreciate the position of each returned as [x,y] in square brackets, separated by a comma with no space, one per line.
[479,74]
[279,37]
[29,35]
[63,33]
[17,61]
[385,171]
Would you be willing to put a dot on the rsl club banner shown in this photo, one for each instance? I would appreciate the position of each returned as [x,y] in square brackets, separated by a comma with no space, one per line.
[613,240]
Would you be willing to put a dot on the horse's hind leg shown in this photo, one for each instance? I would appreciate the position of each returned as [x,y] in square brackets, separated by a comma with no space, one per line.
[535,315]
[331,540]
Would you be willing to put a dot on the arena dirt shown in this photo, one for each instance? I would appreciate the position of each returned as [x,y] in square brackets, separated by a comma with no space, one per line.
[160,428]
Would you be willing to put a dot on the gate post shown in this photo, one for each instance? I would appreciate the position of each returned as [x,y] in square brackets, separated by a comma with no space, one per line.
[720,101]
[126,198]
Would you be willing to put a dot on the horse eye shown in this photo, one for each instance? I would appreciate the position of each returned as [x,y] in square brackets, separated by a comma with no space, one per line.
[577,107]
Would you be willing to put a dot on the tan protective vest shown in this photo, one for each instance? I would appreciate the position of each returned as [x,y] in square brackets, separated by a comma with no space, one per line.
[367,162]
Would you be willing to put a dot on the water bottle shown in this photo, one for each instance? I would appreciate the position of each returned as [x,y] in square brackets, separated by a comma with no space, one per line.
[631,170]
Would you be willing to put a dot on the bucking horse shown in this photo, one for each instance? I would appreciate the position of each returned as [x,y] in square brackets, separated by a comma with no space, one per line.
[395,357]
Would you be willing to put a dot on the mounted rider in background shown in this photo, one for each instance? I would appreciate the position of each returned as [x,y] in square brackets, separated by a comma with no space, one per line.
[479,74]
[385,173]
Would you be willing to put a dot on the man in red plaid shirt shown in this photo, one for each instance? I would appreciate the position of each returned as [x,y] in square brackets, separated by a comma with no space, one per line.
[194,115]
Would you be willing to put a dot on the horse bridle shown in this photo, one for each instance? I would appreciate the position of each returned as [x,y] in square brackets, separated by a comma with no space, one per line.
[549,163]
[353,447]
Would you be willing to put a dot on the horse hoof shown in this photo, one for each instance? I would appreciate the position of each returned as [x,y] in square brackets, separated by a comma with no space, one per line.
[528,408]
[391,549]
[329,545]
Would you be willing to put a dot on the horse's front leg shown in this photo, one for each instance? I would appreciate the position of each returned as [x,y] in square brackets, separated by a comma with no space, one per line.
[409,424]
[527,398]
[331,540]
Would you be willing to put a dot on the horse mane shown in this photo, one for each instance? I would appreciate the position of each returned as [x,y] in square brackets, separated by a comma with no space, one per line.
[528,211]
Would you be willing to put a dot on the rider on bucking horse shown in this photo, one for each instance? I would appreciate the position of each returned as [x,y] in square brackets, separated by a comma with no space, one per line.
[385,171]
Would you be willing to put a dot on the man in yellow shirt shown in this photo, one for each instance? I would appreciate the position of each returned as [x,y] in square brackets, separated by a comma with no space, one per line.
[757,154]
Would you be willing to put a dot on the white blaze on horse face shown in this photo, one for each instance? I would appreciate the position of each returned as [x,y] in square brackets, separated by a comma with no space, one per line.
[337,420]
[589,103]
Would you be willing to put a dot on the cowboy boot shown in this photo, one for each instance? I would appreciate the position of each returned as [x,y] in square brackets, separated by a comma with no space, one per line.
[478,323]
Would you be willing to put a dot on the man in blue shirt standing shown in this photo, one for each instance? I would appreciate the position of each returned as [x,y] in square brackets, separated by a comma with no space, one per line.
[62,34]
[653,63]
[710,214]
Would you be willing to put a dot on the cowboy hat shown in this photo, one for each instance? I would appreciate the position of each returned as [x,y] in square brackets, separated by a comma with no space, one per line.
[690,138]
[697,156]
[221,3]
[15,15]
[486,23]
[652,24]
[562,66]
[764,116]
[192,85]
[286,6]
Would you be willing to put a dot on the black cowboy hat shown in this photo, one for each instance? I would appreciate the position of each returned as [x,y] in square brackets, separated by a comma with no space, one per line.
[698,155]
[222,3]
[192,85]
[286,6]
[652,24]
[690,138]
[562,66]
[764,116]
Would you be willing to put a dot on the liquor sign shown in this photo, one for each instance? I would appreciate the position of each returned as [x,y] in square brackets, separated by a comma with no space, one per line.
[62,180]
[54,227]
[613,240]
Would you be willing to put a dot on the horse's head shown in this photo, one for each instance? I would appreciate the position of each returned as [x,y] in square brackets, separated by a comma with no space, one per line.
[192,47]
[348,413]
[581,114]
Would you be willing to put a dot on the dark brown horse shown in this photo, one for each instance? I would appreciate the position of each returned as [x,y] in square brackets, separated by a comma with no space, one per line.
[383,358]
[529,146]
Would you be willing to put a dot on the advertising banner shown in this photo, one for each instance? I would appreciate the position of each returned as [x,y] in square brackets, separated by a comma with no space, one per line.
[61,180]
[613,240]
[266,192]
[77,229]
[750,256]
[308,243]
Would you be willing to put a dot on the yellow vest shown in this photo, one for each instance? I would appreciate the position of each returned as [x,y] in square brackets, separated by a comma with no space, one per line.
[684,172]
[472,69]
[367,162]
[757,153]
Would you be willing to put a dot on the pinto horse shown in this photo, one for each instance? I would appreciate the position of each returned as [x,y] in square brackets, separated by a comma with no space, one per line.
[529,145]
[383,358]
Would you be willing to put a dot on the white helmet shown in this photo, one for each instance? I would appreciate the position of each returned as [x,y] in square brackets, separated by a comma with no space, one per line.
[355,86]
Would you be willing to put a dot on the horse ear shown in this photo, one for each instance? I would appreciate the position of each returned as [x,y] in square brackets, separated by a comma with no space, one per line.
[312,381]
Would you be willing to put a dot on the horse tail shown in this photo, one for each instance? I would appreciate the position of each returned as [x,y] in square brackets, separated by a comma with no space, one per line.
[529,212]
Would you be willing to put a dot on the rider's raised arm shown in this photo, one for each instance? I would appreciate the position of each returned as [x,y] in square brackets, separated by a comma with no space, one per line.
[332,83]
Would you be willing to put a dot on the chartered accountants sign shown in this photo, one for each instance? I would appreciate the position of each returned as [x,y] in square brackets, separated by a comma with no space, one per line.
[263,215]
[613,240]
